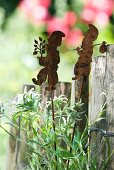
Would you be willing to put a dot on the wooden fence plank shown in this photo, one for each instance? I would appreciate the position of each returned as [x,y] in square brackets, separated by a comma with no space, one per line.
[16,155]
[62,88]
[102,98]
[80,91]
[19,149]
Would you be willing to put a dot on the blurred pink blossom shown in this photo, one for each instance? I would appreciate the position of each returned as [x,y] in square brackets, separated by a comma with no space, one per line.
[74,37]
[94,11]
[45,3]
[88,15]
[39,13]
[106,6]
[102,19]
[57,23]
[97,11]
[34,11]
[70,18]
[26,6]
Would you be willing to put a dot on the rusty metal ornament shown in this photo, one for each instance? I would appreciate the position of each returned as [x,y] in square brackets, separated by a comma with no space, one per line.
[82,67]
[50,62]
[103,47]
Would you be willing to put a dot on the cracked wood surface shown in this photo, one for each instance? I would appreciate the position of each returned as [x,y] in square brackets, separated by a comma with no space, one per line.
[102,98]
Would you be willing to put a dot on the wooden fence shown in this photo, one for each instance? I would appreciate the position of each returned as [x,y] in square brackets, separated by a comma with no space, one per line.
[102,105]
[99,100]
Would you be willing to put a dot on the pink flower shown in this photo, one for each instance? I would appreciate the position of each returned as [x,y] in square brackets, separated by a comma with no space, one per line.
[74,37]
[45,3]
[106,6]
[26,6]
[88,15]
[70,18]
[39,13]
[102,19]
[35,12]
[97,11]
[56,23]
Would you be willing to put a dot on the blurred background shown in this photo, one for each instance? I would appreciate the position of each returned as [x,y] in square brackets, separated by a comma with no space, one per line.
[22,21]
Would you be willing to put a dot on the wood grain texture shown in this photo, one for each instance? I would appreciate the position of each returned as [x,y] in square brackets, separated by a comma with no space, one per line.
[102,98]
[62,88]
[80,91]
[17,151]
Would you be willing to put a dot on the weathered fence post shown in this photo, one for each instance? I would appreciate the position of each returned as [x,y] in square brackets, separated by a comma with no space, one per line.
[102,105]
[19,149]
[62,88]
[16,156]
[80,90]
[23,148]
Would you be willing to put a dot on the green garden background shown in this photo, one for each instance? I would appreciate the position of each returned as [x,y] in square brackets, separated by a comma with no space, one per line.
[22,21]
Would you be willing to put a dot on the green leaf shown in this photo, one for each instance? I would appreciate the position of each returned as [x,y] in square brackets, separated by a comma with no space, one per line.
[35,132]
[36,42]
[44,41]
[35,45]
[35,52]
[43,51]
[43,46]
[40,38]
[65,154]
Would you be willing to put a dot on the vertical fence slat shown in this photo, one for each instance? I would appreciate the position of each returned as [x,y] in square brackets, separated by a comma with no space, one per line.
[102,104]
[75,93]
[15,148]
[62,88]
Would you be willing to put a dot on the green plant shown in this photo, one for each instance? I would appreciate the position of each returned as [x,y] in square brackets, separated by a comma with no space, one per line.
[52,132]
[2,109]
[37,123]
[41,135]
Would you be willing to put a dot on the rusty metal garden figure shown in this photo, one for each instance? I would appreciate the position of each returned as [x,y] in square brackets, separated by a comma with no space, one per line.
[50,64]
[82,67]
[52,59]
[49,59]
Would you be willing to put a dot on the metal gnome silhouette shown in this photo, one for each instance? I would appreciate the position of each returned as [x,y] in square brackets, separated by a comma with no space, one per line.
[82,67]
[50,63]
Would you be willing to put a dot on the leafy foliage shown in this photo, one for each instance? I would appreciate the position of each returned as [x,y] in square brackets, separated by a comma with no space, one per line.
[39,119]
[2,108]
[37,123]
[39,47]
